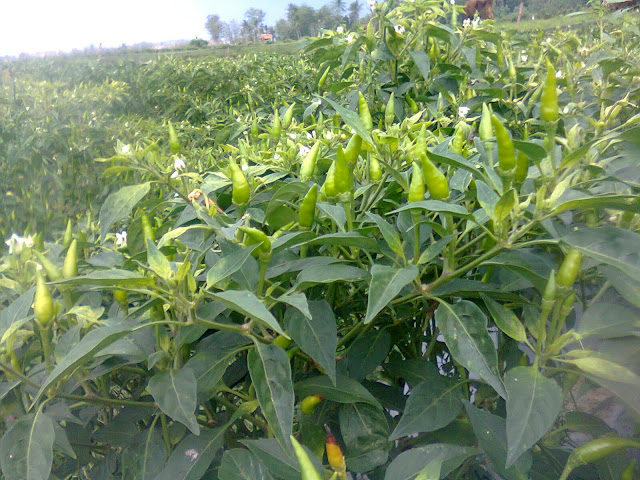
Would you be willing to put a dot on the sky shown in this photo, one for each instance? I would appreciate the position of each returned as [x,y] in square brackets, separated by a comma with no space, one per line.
[33,26]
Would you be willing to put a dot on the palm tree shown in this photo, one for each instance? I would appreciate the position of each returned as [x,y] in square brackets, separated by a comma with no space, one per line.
[354,12]
[339,6]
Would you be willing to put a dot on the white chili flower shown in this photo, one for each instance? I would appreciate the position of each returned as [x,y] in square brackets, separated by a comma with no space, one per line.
[292,136]
[565,110]
[329,136]
[244,167]
[463,111]
[399,29]
[121,238]
[179,164]
[453,2]
[350,38]
[466,23]
[303,150]
[524,58]
[16,243]
[476,21]
[276,157]
[126,148]
[340,29]
[559,74]
[175,174]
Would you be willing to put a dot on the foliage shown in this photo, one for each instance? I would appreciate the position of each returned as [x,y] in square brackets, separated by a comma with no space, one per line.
[433,329]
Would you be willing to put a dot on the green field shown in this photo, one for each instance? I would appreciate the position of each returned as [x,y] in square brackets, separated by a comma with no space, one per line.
[412,249]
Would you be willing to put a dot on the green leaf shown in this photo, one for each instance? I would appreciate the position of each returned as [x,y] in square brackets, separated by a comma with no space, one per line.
[598,366]
[145,457]
[422,61]
[228,265]
[193,455]
[367,352]
[505,206]
[464,328]
[249,305]
[435,206]
[175,392]
[346,239]
[329,274]
[364,432]
[298,301]
[279,462]
[389,233]
[26,448]
[410,463]
[241,464]
[157,261]
[119,204]
[431,406]
[626,286]
[352,119]
[17,310]
[533,404]
[491,432]
[610,245]
[112,277]
[271,377]
[318,336]
[386,283]
[609,320]
[505,319]
[208,366]
[84,352]
[345,390]
[434,249]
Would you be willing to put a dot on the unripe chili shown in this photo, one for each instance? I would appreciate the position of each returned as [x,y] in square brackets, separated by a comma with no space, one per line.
[288,116]
[342,182]
[375,170]
[120,296]
[174,143]
[53,272]
[309,163]
[329,186]
[595,450]
[390,111]
[308,207]
[486,128]
[42,303]
[417,187]
[365,114]
[627,473]
[147,229]
[276,128]
[70,265]
[434,179]
[569,269]
[308,404]
[68,235]
[412,104]
[307,469]
[323,78]
[240,187]
[353,149]
[457,142]
[253,236]
[506,150]
[549,98]
[254,128]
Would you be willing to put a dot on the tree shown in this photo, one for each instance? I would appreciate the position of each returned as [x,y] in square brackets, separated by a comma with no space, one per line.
[354,12]
[253,22]
[231,31]
[215,27]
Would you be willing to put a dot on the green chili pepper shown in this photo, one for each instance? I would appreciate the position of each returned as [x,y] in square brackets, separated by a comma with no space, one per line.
[307,469]
[42,303]
[323,78]
[253,236]
[375,170]
[457,142]
[254,128]
[499,55]
[417,187]
[68,235]
[53,272]
[353,150]
[309,403]
[70,265]
[343,181]
[627,473]
[329,187]
[174,143]
[412,104]
[506,150]
[309,163]
[308,207]
[276,127]
[390,111]
[121,296]
[365,114]
[595,450]
[288,116]
[147,229]
[549,98]
[569,269]
[240,187]
[282,342]
[434,179]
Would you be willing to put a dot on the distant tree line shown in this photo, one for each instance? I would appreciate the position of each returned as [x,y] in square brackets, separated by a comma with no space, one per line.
[300,21]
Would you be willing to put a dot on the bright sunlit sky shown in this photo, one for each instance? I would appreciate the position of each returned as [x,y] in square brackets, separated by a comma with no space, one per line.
[61,25]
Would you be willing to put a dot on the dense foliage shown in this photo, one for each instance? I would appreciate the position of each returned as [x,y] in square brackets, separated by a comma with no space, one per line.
[421,236]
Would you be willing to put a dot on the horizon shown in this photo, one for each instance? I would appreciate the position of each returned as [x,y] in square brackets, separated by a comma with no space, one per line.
[70,25]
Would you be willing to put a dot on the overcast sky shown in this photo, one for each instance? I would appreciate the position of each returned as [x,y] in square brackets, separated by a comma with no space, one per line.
[51,25]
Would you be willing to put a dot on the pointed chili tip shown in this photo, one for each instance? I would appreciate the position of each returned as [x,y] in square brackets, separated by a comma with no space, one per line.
[329,437]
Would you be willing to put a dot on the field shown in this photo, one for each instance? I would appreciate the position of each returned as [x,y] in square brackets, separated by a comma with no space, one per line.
[412,249]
